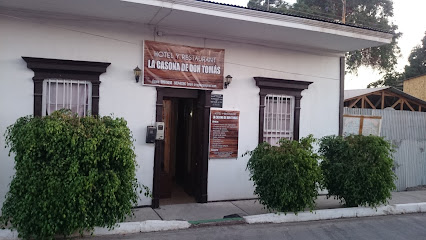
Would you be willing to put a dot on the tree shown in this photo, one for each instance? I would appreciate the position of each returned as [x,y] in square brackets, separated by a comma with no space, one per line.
[374,14]
[71,174]
[357,169]
[417,61]
[392,79]
[416,67]
[286,177]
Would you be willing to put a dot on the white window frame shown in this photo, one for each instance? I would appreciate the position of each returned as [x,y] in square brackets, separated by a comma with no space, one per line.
[46,91]
[272,134]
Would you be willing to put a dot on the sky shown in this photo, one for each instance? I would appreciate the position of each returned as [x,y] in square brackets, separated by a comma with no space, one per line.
[411,20]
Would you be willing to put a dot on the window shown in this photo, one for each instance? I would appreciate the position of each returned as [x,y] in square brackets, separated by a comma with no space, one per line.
[278,118]
[66,84]
[68,94]
[279,108]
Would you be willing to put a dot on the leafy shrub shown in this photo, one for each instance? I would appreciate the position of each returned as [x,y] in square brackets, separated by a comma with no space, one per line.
[358,169]
[72,174]
[285,177]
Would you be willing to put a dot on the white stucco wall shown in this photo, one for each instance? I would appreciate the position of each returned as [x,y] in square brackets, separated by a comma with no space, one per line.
[121,45]
[319,105]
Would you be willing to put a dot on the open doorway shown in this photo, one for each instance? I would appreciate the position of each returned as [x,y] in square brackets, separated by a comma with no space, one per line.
[178,165]
[181,159]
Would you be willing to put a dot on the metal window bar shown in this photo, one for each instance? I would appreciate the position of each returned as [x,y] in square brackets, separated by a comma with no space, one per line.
[78,100]
[278,118]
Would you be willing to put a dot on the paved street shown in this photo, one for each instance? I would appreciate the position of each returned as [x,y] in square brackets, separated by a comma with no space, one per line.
[411,226]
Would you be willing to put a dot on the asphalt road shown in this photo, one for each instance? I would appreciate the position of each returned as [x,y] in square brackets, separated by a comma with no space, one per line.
[410,227]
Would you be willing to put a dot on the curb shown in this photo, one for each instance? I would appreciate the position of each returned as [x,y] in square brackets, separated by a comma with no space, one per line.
[122,228]
[328,214]
[145,226]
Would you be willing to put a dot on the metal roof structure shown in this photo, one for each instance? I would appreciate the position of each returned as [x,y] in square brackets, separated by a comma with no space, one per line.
[381,98]
[359,92]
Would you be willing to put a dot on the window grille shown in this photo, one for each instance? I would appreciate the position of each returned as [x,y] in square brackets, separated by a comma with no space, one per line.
[68,94]
[278,118]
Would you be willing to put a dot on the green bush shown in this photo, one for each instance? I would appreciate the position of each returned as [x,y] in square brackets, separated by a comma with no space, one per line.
[358,169]
[285,177]
[72,174]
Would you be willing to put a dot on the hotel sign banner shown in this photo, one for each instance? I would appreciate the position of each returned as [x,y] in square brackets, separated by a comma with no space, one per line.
[171,65]
[224,134]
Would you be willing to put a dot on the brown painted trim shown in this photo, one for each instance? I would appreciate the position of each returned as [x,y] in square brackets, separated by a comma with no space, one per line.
[261,115]
[38,96]
[177,92]
[296,123]
[342,94]
[66,66]
[158,153]
[283,87]
[45,68]
[206,99]
[281,84]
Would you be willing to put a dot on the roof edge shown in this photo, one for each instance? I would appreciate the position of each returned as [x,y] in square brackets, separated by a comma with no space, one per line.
[271,18]
[298,16]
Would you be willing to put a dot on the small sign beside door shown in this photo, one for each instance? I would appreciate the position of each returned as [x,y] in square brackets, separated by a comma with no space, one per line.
[224,134]
[216,100]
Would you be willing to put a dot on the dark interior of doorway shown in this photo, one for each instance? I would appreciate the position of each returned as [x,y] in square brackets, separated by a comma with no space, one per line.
[177,168]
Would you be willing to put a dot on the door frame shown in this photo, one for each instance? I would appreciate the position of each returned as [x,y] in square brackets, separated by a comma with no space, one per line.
[203,98]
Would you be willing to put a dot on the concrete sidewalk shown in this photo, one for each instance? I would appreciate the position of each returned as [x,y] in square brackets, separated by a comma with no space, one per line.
[194,212]
[182,216]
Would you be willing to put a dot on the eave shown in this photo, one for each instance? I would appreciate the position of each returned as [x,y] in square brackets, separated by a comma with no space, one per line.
[221,22]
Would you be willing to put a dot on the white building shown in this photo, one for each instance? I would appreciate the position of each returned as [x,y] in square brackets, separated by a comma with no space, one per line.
[297,62]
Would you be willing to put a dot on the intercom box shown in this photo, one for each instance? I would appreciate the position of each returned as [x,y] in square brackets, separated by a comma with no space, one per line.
[160,131]
[151,134]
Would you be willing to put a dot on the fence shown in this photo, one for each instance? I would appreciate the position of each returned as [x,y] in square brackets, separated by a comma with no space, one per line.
[407,131]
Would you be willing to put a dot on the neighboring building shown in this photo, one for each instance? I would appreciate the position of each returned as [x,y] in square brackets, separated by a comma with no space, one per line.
[416,87]
[399,118]
[382,98]
[287,81]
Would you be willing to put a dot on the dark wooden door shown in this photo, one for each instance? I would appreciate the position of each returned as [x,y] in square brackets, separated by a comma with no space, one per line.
[169,129]
[201,137]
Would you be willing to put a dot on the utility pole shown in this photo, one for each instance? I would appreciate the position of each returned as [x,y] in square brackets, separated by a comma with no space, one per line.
[344,11]
[267,5]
